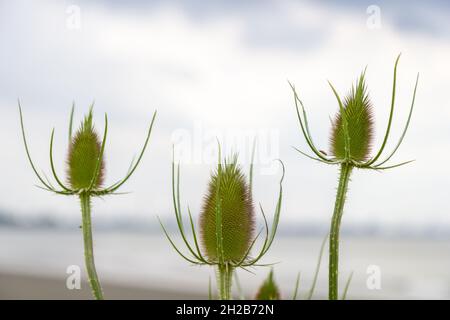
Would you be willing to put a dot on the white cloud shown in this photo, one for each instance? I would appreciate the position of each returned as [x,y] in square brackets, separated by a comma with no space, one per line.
[219,71]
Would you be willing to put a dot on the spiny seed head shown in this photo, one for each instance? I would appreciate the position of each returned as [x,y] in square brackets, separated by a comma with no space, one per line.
[269,289]
[84,151]
[358,113]
[237,213]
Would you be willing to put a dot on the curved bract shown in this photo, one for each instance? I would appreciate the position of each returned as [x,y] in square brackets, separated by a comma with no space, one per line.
[351,126]
[351,142]
[85,159]
[85,173]
[226,224]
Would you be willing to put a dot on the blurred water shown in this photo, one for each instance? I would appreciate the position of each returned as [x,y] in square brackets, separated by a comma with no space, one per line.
[408,268]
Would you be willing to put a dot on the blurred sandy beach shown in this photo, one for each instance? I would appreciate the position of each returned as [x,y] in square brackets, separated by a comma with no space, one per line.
[21,286]
[142,266]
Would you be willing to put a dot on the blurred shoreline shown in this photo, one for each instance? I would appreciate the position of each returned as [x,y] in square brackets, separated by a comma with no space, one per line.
[29,287]
[34,263]
[51,222]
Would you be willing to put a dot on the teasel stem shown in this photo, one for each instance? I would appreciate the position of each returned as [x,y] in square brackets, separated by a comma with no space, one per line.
[85,200]
[333,272]
[224,279]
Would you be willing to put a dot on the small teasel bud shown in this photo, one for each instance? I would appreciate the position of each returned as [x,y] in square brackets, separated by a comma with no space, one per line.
[269,289]
[229,190]
[84,151]
[358,113]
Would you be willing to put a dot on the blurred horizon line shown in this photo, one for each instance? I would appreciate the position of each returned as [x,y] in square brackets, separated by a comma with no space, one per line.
[432,231]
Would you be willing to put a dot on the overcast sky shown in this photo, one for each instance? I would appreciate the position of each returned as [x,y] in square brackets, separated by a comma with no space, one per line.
[221,70]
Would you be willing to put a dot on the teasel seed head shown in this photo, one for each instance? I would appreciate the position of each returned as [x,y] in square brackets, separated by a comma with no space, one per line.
[84,151]
[358,113]
[269,289]
[230,192]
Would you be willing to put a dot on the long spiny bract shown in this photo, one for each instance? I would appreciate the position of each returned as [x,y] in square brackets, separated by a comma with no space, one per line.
[226,223]
[84,151]
[85,175]
[351,139]
[358,113]
[238,218]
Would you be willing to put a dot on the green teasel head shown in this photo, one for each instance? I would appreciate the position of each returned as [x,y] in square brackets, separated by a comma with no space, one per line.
[84,151]
[85,160]
[229,192]
[352,128]
[269,289]
[357,110]
[227,219]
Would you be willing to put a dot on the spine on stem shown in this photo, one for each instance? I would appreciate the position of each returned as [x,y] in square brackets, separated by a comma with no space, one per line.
[333,272]
[88,246]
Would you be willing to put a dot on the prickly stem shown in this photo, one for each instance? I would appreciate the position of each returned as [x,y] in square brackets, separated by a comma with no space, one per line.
[88,246]
[224,281]
[333,272]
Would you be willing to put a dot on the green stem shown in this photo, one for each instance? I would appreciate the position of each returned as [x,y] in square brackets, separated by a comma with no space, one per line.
[224,279]
[85,200]
[333,271]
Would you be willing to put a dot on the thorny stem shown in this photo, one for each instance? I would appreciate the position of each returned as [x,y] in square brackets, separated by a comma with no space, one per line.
[333,274]
[85,200]
[224,279]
